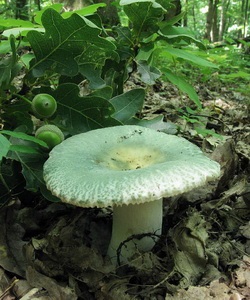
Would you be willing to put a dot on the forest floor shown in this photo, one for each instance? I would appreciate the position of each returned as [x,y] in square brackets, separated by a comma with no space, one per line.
[55,251]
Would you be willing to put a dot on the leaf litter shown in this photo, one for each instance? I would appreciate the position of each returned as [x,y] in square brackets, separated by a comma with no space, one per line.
[55,251]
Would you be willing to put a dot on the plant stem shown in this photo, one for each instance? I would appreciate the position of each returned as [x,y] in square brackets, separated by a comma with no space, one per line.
[23,98]
[4,182]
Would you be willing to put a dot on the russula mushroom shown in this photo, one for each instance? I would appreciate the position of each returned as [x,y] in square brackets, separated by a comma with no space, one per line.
[130,168]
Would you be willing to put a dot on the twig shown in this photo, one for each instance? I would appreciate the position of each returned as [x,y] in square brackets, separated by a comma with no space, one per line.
[9,288]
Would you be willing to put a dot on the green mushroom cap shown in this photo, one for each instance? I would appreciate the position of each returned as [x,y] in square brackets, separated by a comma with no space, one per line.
[125,165]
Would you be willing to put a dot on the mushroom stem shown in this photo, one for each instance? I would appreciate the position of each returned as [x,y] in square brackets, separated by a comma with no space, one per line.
[134,219]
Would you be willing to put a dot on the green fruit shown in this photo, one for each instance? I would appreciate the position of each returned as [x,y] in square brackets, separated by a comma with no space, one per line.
[43,106]
[50,134]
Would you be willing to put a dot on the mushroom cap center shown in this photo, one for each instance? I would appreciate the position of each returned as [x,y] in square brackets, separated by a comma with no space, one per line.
[131,158]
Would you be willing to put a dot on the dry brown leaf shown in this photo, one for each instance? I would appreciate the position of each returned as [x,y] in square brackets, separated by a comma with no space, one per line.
[11,234]
[54,289]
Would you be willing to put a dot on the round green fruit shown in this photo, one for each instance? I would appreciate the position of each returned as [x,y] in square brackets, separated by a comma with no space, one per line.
[43,106]
[50,134]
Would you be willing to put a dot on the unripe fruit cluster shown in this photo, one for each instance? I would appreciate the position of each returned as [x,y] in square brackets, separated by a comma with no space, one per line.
[44,106]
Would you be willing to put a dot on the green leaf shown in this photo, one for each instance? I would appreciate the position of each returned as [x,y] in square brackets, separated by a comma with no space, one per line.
[11,180]
[5,47]
[5,72]
[13,49]
[4,146]
[239,74]
[124,42]
[33,174]
[144,17]
[26,59]
[184,54]
[183,86]
[88,10]
[153,2]
[156,123]
[105,92]
[16,114]
[128,104]
[31,161]
[93,75]
[47,194]
[38,14]
[178,33]
[173,20]
[24,136]
[23,149]
[80,114]
[9,66]
[91,62]
[20,31]
[146,51]
[208,132]
[148,73]
[32,166]
[15,23]
[62,42]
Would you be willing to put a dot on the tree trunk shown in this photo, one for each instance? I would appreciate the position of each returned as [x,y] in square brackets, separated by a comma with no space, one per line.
[38,4]
[209,21]
[194,16]
[22,10]
[212,28]
[174,10]
[245,16]
[215,27]
[223,18]
[185,18]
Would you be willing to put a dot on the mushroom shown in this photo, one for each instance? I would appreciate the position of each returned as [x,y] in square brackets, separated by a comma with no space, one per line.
[130,168]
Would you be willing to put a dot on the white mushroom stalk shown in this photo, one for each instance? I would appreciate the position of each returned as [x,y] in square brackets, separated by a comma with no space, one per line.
[135,219]
[130,168]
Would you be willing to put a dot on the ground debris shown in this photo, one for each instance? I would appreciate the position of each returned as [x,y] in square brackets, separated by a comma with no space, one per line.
[237,289]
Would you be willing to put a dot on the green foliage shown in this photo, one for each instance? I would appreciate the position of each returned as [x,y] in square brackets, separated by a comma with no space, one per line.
[67,44]
[23,136]
[232,68]
[76,114]
[9,66]
[183,86]
[72,58]
[5,146]
[127,105]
